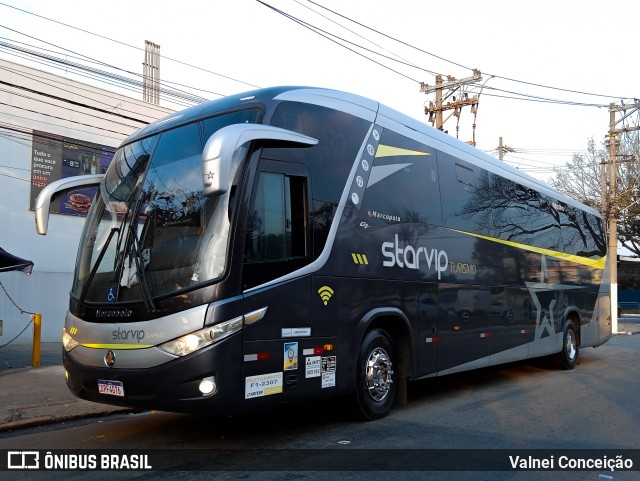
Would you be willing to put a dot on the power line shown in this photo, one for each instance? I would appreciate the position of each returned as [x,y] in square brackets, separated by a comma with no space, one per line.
[60,65]
[179,94]
[328,36]
[390,37]
[119,139]
[547,101]
[405,61]
[60,99]
[469,68]
[14,130]
[85,58]
[130,46]
[76,88]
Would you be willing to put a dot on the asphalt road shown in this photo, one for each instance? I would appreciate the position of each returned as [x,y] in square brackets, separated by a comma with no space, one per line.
[523,406]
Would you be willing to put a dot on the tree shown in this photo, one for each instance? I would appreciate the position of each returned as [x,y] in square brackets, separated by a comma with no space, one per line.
[581,179]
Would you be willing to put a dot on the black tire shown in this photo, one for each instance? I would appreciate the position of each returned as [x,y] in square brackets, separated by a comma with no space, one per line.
[567,358]
[376,383]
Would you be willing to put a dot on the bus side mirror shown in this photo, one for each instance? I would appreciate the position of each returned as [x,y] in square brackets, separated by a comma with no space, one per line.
[219,164]
[43,201]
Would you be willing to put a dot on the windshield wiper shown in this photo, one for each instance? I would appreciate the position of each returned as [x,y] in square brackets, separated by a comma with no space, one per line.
[142,280]
[94,269]
[126,280]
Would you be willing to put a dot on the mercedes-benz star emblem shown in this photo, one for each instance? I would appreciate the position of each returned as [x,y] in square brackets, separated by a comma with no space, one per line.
[110,358]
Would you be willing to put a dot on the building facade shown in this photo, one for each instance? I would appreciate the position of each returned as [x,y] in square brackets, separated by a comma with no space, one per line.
[51,127]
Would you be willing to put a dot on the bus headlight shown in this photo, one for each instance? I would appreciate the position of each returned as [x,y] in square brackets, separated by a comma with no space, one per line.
[204,337]
[68,342]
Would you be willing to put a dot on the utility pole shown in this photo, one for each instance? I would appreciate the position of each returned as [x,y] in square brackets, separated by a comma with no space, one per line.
[612,212]
[438,108]
[610,195]
[503,149]
[435,110]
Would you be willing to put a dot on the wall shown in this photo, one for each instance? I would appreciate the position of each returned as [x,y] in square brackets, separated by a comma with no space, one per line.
[33,100]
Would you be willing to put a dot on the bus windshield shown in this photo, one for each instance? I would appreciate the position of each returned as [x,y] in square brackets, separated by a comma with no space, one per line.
[151,231]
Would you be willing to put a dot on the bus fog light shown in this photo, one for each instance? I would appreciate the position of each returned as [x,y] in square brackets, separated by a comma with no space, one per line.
[208,385]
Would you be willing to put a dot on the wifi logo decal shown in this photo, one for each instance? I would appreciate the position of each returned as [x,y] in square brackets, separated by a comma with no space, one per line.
[325,294]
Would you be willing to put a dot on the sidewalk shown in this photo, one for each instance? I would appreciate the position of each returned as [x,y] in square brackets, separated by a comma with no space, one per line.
[35,396]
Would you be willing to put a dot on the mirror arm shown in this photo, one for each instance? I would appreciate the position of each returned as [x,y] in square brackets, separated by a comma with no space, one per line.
[43,201]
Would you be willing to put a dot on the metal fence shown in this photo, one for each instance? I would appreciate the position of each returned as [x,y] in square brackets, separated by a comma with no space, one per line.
[628,308]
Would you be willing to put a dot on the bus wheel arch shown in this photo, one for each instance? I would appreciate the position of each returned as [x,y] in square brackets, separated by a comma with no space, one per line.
[383,364]
[568,356]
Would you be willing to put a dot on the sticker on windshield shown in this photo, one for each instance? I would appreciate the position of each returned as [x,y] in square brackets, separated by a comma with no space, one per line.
[111,294]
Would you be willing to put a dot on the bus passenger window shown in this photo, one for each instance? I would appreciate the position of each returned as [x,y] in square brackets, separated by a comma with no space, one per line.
[277,227]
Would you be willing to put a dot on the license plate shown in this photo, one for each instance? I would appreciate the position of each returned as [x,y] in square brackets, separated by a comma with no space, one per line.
[112,388]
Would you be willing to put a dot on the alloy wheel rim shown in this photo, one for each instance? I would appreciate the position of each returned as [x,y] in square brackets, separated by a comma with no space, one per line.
[379,374]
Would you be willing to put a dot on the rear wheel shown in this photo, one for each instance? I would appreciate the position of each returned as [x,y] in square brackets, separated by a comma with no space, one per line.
[376,380]
[568,356]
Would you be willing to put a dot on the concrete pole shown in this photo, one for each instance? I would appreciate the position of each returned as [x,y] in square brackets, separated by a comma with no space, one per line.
[613,220]
[439,118]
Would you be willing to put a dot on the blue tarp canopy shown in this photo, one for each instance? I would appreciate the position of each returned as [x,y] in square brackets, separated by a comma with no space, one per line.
[9,262]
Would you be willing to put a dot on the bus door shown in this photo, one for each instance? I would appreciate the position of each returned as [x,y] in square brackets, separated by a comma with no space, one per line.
[464,336]
[278,326]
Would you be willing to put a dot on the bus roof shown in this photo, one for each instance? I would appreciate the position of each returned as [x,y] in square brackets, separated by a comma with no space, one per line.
[365,108]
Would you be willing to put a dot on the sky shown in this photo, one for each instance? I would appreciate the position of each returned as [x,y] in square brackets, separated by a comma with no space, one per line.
[570,45]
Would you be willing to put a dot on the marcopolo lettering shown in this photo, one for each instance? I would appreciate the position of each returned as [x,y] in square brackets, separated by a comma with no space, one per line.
[108,313]
[409,257]
[128,334]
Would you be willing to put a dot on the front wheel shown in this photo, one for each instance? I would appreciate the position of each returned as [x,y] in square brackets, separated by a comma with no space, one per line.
[567,358]
[376,380]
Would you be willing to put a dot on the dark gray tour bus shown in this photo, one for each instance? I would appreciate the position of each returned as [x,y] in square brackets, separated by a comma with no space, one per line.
[289,244]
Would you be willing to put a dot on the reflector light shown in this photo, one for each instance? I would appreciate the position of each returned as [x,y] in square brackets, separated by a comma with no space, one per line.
[318,350]
[263,356]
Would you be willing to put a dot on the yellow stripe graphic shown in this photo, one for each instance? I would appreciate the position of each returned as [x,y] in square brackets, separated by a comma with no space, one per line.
[118,346]
[585,261]
[388,151]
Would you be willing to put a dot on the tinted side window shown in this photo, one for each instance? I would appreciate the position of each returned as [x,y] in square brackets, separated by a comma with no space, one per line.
[583,234]
[521,214]
[213,124]
[277,228]
[466,195]
[403,184]
[278,238]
